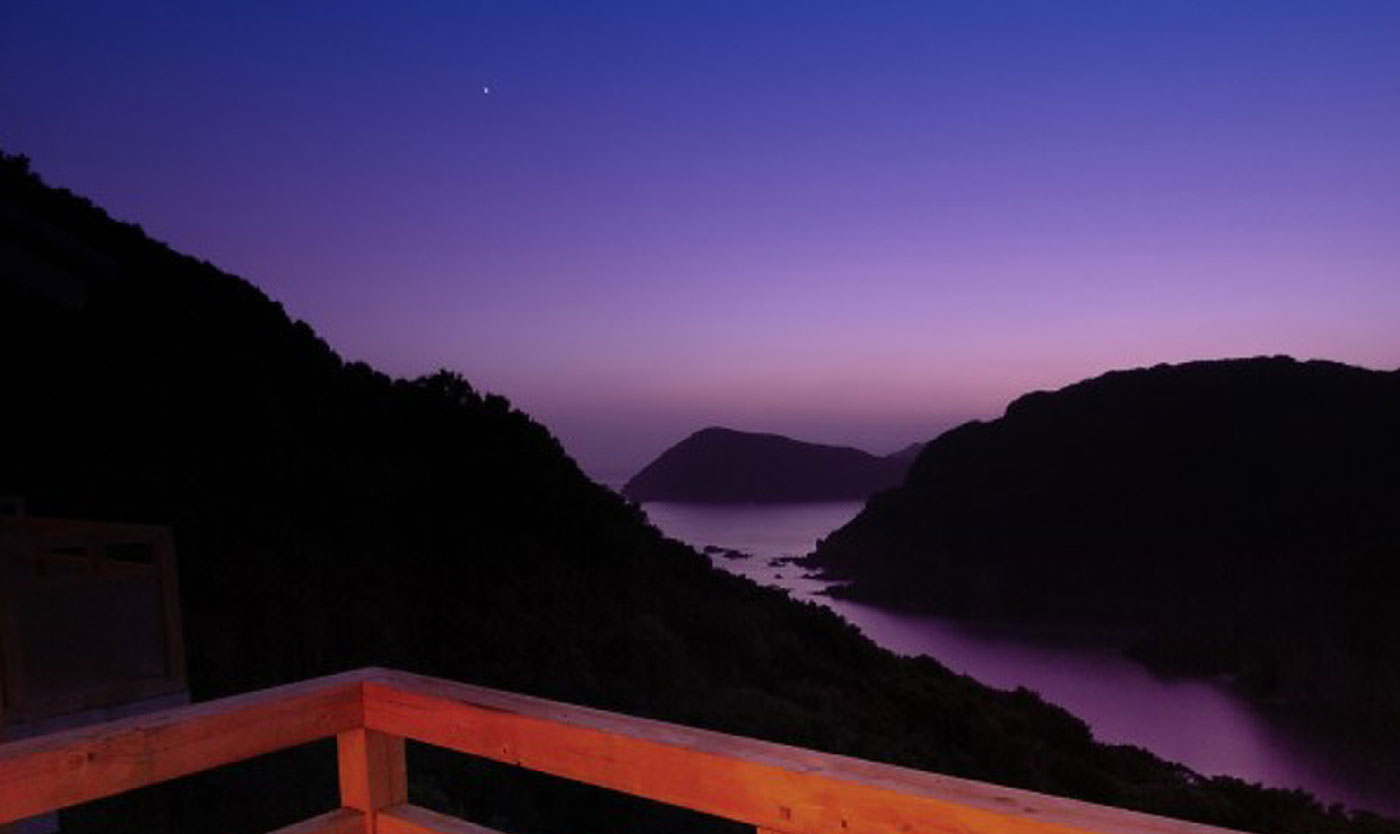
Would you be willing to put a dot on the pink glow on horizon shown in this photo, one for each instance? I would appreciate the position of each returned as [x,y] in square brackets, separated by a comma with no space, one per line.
[846,223]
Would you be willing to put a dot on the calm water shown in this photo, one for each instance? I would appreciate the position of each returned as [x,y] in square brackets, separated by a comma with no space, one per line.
[1202,724]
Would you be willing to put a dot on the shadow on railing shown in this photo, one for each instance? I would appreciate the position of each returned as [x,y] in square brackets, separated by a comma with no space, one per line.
[371,712]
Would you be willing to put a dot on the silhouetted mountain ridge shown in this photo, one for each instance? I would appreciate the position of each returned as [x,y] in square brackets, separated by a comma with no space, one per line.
[329,517]
[1244,511]
[720,465]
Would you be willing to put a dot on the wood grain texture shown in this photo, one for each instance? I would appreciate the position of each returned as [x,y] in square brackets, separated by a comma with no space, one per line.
[410,819]
[778,789]
[56,771]
[339,821]
[771,786]
[372,772]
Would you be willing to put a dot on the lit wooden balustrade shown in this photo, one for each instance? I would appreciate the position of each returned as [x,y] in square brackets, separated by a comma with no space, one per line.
[371,712]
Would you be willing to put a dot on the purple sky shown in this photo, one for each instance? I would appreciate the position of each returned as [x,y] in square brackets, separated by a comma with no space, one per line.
[850,222]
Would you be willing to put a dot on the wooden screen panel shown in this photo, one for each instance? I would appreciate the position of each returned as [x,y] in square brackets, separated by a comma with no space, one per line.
[89,616]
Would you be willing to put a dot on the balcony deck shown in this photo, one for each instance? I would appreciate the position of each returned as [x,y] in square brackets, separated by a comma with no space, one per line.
[371,712]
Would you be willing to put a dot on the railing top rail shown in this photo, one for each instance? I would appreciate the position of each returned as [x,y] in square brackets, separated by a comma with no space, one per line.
[772,786]
[83,528]
[55,771]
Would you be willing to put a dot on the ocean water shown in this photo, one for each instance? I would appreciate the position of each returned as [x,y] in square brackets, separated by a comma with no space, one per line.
[1205,725]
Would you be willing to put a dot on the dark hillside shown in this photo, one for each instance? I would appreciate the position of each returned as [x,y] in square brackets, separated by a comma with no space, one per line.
[328,517]
[718,465]
[1245,511]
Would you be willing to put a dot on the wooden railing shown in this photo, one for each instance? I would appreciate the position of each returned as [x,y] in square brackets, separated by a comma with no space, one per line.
[371,712]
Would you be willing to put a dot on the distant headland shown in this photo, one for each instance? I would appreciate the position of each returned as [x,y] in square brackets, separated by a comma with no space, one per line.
[719,465]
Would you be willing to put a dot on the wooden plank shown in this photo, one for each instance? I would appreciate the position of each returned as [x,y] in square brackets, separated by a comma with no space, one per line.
[339,821]
[410,819]
[170,599]
[80,580]
[55,771]
[41,541]
[79,529]
[773,787]
[96,697]
[372,771]
[25,542]
[12,549]
[767,785]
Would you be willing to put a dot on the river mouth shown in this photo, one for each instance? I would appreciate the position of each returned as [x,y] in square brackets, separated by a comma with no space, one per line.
[1205,724]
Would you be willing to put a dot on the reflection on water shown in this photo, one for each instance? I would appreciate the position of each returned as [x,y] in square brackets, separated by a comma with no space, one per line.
[1202,724]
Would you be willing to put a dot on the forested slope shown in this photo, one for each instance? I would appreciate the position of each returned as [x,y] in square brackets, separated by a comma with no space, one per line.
[1242,512]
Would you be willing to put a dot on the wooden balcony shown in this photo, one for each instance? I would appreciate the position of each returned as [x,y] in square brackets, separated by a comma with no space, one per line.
[371,712]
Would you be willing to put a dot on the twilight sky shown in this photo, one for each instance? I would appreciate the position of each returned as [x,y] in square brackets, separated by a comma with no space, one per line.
[855,222]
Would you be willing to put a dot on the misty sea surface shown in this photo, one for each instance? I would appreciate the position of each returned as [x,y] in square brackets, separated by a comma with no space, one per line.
[1203,724]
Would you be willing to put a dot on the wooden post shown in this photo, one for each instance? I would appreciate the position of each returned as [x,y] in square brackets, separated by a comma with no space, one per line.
[372,773]
[8,645]
[13,548]
[5,828]
[163,553]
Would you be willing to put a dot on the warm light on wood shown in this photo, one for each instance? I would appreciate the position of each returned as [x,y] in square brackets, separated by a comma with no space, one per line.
[771,786]
[410,819]
[339,821]
[372,773]
[50,772]
[778,789]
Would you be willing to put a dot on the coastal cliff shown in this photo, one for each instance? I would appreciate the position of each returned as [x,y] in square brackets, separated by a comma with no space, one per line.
[1241,513]
[719,465]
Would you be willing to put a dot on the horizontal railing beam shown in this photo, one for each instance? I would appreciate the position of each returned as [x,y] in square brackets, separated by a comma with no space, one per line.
[410,819]
[339,821]
[770,786]
[63,769]
[777,789]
